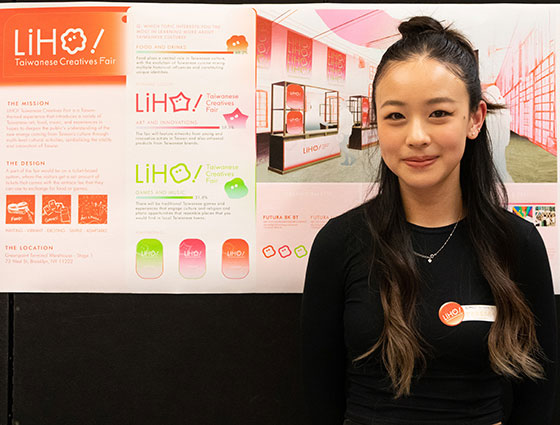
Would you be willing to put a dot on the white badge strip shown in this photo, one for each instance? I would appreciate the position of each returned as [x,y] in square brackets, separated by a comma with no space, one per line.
[479,312]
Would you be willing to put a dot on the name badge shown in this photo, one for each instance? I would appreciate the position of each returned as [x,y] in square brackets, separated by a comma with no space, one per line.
[452,313]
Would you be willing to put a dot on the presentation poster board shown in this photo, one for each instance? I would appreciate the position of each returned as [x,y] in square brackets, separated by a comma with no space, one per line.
[194,148]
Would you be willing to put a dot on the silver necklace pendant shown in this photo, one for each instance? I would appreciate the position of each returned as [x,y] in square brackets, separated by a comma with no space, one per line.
[430,257]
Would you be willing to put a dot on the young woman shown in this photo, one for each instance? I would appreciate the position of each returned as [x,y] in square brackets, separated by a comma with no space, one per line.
[429,302]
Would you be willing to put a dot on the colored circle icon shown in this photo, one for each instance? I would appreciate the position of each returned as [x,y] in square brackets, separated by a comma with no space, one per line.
[451,313]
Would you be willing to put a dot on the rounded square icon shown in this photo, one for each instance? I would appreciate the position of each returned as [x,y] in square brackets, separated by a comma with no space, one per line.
[92,209]
[56,209]
[235,259]
[149,259]
[294,122]
[300,251]
[268,251]
[284,251]
[20,209]
[294,96]
[192,258]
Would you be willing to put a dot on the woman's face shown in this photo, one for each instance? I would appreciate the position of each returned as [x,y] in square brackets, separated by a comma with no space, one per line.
[424,121]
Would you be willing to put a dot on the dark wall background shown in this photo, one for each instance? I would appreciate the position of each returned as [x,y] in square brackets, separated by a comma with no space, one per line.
[92,359]
[116,359]
[156,359]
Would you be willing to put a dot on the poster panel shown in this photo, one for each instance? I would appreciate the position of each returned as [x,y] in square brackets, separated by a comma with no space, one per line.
[62,97]
[128,160]
[139,155]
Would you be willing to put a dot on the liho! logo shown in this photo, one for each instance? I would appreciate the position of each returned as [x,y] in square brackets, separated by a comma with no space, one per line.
[153,173]
[451,313]
[152,102]
[73,40]
[149,253]
[238,254]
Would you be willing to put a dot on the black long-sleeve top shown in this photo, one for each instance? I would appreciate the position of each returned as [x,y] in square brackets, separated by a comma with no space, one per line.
[342,318]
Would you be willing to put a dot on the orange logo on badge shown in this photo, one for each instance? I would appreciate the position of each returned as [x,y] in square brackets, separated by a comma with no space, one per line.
[451,313]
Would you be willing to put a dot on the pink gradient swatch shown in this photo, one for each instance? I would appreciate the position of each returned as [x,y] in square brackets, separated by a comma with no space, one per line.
[192,258]
[236,119]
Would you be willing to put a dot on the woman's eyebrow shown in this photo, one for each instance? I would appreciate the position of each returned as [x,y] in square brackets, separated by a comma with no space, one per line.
[440,100]
[432,101]
[392,103]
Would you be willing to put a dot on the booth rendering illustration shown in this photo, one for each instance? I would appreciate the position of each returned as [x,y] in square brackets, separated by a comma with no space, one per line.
[304,126]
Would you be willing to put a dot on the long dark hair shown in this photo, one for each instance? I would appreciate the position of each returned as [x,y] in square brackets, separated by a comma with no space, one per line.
[513,346]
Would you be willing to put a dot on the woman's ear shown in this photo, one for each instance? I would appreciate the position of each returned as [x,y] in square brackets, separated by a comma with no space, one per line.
[477,119]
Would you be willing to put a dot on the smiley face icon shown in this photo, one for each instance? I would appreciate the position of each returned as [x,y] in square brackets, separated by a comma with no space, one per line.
[237,44]
[180,173]
[236,188]
[300,251]
[269,251]
[284,251]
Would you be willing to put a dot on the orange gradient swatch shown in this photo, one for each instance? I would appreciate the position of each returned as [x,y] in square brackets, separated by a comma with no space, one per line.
[235,258]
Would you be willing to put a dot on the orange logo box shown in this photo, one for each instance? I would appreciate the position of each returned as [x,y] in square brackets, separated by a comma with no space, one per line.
[92,209]
[63,45]
[57,209]
[20,209]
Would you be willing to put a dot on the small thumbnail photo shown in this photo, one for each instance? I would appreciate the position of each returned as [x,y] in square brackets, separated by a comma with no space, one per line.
[92,209]
[545,215]
[20,209]
[56,209]
[523,211]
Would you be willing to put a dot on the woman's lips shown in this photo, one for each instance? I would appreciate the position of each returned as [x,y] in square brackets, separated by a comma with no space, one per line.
[420,161]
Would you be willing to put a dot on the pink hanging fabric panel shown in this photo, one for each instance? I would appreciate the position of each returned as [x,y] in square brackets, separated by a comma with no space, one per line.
[299,54]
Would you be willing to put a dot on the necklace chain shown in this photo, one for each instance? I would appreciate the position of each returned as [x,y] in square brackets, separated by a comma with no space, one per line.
[431,257]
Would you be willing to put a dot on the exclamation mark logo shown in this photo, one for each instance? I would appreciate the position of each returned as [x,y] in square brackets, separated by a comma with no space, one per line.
[197,171]
[197,102]
[97,41]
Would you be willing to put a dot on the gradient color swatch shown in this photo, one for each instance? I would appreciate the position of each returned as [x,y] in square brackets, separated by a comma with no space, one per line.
[235,259]
[192,258]
[149,259]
